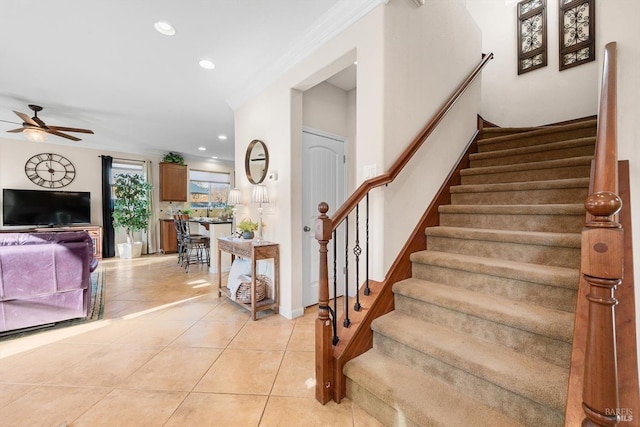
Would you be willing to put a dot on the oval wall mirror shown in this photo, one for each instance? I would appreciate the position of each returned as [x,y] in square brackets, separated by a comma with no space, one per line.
[256,161]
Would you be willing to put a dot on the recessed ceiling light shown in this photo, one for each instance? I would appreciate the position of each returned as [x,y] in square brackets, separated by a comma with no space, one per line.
[202,148]
[164,28]
[207,65]
[214,157]
[355,63]
[222,137]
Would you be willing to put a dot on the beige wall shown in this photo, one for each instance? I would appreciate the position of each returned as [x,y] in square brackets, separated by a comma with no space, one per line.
[399,54]
[325,108]
[538,97]
[429,52]
[275,116]
[15,152]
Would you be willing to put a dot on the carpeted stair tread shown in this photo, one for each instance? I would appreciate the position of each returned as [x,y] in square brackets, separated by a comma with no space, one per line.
[578,142]
[569,240]
[551,217]
[548,209]
[421,398]
[535,379]
[537,132]
[543,274]
[542,165]
[535,247]
[532,318]
[522,186]
[487,316]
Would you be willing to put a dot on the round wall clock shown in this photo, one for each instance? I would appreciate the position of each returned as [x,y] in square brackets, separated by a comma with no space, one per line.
[50,170]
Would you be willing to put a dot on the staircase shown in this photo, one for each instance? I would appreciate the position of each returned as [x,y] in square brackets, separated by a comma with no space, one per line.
[481,334]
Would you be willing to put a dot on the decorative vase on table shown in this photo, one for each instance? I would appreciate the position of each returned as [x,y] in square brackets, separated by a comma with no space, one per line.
[247,234]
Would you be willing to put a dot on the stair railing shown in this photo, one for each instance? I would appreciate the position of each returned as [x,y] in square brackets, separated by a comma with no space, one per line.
[602,261]
[326,335]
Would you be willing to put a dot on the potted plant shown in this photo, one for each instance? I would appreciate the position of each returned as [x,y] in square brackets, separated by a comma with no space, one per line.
[247,227]
[172,157]
[131,210]
[226,213]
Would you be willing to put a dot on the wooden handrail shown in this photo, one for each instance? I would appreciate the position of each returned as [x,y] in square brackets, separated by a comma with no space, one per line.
[602,262]
[407,154]
[325,226]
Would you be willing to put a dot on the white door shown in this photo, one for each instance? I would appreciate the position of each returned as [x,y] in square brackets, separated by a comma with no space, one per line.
[323,178]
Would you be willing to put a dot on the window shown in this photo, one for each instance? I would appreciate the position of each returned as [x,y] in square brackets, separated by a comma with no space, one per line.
[208,189]
[532,35]
[577,32]
[120,167]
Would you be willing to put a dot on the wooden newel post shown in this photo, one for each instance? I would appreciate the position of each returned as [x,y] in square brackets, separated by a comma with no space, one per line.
[602,261]
[324,371]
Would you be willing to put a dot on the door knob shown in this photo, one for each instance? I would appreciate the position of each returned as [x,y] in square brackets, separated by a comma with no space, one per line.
[306,228]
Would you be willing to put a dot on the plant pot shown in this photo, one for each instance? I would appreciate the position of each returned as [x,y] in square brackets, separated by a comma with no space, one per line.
[247,234]
[129,250]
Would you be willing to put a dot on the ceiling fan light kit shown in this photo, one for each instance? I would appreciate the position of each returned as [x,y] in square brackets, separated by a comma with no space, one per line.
[37,130]
[35,135]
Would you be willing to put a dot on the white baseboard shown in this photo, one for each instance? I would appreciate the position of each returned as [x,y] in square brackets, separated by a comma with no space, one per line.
[291,314]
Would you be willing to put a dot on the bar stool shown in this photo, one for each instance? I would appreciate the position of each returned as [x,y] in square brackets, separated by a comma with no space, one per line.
[177,218]
[192,248]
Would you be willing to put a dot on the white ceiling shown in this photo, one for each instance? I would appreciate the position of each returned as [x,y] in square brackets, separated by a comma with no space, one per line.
[100,64]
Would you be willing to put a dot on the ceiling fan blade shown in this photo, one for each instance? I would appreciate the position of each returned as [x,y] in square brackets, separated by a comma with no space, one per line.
[64,135]
[26,118]
[16,130]
[39,122]
[66,129]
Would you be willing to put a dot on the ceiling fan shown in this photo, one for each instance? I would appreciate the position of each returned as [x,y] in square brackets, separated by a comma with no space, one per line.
[36,130]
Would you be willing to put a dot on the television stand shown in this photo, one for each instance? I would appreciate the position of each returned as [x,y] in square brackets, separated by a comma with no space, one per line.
[95,231]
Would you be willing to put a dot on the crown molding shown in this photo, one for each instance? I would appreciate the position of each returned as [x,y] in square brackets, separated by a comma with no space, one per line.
[342,15]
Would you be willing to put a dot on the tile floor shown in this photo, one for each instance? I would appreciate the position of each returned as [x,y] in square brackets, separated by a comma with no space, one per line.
[168,352]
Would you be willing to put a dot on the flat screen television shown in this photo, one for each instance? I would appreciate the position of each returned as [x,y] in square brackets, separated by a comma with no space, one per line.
[45,208]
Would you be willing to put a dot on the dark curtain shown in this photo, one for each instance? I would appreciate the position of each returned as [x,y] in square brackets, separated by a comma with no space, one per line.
[108,232]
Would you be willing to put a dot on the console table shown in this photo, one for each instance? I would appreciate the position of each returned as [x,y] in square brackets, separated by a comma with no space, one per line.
[253,250]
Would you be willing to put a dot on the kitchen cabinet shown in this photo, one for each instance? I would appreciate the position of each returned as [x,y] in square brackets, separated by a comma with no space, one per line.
[168,237]
[173,182]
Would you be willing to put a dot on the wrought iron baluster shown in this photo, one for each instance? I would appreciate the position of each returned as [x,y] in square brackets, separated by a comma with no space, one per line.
[335,288]
[357,250]
[346,321]
[367,291]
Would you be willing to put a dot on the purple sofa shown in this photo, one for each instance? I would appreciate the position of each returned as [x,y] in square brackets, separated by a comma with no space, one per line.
[44,277]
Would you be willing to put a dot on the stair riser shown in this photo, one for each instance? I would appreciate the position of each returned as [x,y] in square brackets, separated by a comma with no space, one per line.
[540,156]
[547,223]
[525,410]
[495,132]
[546,348]
[388,415]
[522,197]
[535,254]
[484,147]
[527,175]
[518,290]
